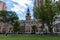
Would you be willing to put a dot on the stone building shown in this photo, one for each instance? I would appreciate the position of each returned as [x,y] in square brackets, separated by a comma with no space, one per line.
[2,5]
[38,3]
[57,24]
[4,27]
[28,23]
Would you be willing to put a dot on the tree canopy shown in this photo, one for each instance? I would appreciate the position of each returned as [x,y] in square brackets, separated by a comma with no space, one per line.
[46,13]
[10,17]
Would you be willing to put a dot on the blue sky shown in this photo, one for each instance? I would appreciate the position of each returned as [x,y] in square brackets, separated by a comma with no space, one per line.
[20,7]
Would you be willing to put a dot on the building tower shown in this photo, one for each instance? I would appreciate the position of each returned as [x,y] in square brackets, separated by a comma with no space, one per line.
[27,22]
[40,2]
[2,5]
[36,3]
[28,17]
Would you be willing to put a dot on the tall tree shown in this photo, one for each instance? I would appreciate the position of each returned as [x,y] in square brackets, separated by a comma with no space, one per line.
[9,16]
[3,15]
[39,13]
[16,25]
[58,6]
[34,29]
[46,13]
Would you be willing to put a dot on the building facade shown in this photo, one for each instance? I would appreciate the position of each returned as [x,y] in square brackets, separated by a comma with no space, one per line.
[28,23]
[38,3]
[2,5]
[4,27]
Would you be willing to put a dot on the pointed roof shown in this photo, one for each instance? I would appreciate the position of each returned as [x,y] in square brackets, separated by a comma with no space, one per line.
[28,12]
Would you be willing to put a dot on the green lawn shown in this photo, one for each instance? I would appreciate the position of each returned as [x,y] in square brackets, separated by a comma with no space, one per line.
[29,37]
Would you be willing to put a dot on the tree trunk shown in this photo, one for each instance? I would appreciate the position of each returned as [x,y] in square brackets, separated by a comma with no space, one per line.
[42,27]
[50,30]
[50,27]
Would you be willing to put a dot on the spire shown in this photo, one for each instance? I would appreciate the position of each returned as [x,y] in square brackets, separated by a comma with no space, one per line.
[28,12]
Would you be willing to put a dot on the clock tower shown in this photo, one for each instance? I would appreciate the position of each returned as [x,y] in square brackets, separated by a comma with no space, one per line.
[28,17]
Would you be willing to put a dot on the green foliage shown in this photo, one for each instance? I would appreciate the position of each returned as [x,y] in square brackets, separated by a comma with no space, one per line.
[16,25]
[29,37]
[34,28]
[12,16]
[58,6]
[3,15]
[46,13]
[9,16]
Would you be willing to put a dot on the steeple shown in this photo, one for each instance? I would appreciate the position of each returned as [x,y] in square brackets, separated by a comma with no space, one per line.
[28,12]
[28,17]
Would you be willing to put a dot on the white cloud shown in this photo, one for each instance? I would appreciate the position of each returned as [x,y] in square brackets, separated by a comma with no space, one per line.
[15,8]
[21,2]
[20,7]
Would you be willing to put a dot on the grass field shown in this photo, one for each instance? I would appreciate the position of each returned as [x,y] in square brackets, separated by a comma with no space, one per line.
[29,37]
